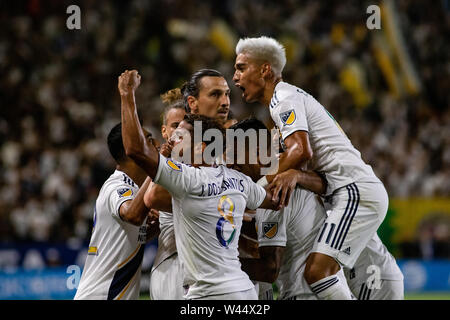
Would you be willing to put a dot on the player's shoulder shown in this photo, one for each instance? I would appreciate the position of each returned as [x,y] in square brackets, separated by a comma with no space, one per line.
[287,92]
[175,167]
[286,99]
[119,182]
[230,172]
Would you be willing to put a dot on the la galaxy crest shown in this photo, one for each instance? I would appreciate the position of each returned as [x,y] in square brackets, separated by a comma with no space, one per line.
[173,165]
[270,229]
[125,192]
[288,117]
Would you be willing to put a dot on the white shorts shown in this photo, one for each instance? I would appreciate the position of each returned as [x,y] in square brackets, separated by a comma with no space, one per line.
[166,281]
[249,294]
[354,214]
[388,290]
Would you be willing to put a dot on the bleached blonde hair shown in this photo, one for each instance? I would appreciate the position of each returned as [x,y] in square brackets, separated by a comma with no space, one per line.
[266,49]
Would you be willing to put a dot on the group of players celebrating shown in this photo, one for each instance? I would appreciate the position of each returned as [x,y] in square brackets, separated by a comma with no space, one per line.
[226,231]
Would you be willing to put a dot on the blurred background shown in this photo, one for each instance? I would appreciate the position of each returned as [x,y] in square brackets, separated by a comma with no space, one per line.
[388,88]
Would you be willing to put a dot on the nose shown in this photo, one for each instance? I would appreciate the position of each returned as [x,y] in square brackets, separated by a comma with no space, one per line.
[225,101]
[235,76]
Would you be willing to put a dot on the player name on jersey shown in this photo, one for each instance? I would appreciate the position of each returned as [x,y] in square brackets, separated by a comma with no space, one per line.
[213,189]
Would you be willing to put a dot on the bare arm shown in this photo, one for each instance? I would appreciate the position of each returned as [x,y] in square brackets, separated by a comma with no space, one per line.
[153,225]
[298,152]
[284,184]
[267,267]
[136,145]
[270,202]
[158,198]
[135,211]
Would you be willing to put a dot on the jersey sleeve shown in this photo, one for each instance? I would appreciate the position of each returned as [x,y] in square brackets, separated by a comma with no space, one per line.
[290,116]
[177,178]
[255,194]
[271,227]
[119,194]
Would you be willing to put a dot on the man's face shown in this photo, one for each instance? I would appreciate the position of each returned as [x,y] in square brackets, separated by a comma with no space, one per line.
[173,118]
[249,78]
[184,149]
[213,99]
[149,137]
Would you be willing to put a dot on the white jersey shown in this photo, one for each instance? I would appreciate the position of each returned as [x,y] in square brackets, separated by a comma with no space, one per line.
[166,239]
[208,205]
[294,227]
[292,109]
[113,265]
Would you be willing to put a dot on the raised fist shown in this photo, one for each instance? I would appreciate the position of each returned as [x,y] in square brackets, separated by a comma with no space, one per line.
[129,81]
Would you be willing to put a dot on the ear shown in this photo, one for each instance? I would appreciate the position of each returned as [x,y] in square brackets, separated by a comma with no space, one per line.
[193,104]
[266,70]
[164,132]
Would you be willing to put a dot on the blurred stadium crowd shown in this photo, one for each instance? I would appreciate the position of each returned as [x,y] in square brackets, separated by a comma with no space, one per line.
[59,89]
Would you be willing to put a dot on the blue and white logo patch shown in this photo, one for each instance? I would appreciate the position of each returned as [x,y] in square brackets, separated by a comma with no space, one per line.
[125,192]
[288,117]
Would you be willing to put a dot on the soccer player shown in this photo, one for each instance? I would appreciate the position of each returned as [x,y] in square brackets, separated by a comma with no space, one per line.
[286,238]
[207,93]
[312,138]
[208,205]
[113,265]
[166,278]
[375,274]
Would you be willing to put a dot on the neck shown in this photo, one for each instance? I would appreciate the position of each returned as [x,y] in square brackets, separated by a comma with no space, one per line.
[269,90]
[133,171]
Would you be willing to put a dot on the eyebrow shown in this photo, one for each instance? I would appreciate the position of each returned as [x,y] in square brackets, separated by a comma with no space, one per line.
[217,90]
[239,65]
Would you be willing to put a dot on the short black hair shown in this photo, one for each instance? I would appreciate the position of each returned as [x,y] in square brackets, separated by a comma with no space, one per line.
[255,124]
[115,143]
[249,123]
[207,123]
[192,86]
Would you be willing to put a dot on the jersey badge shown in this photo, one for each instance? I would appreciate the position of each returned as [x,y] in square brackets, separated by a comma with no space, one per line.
[270,229]
[173,165]
[92,251]
[125,192]
[288,117]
